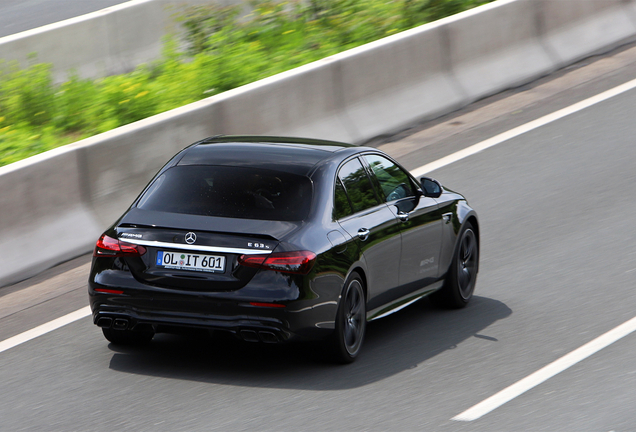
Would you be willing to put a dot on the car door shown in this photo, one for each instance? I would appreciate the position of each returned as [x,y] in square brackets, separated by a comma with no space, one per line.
[420,223]
[374,227]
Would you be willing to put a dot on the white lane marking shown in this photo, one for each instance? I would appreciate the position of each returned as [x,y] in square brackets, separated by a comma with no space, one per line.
[44,328]
[512,133]
[547,372]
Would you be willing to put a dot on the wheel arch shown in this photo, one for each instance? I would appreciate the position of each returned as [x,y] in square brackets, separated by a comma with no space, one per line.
[358,269]
[463,214]
[472,220]
[450,295]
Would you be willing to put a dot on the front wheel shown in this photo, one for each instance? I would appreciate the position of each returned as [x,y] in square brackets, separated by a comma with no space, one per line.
[462,275]
[351,321]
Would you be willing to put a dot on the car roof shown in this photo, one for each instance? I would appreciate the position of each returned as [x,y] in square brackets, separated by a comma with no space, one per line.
[294,155]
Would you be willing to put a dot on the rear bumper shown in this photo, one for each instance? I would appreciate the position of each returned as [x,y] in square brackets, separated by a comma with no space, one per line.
[298,320]
[307,307]
[250,328]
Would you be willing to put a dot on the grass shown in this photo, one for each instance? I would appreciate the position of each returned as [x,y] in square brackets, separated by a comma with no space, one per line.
[223,50]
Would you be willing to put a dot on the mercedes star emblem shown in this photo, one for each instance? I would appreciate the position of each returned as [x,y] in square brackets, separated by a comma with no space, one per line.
[190,238]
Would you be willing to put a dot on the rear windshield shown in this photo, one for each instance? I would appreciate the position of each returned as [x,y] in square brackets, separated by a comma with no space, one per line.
[233,192]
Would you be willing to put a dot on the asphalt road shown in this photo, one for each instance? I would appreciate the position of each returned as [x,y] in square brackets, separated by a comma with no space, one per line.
[558,269]
[21,15]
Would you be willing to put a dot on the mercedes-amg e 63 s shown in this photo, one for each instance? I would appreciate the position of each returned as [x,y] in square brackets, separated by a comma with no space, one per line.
[281,239]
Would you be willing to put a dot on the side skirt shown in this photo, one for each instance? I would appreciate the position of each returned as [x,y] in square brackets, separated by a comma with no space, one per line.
[403,302]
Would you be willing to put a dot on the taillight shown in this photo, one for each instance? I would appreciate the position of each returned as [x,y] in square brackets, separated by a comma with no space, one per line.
[110,247]
[297,262]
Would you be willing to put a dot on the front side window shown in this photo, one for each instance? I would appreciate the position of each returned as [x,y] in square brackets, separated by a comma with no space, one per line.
[228,191]
[393,181]
[358,186]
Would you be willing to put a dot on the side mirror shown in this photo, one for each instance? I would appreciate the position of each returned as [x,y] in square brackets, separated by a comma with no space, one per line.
[431,187]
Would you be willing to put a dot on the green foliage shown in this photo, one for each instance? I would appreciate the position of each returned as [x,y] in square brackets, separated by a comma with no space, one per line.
[26,96]
[224,49]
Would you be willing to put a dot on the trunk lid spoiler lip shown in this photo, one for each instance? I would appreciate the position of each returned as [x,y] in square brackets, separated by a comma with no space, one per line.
[275,230]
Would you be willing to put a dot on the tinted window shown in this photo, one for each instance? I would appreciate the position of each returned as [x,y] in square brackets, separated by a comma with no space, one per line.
[341,205]
[393,181]
[358,186]
[234,192]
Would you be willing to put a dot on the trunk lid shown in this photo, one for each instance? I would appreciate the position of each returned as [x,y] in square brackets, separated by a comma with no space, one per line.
[198,253]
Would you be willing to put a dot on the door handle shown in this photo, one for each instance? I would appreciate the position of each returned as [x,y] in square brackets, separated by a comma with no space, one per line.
[363,234]
[404,217]
[446,217]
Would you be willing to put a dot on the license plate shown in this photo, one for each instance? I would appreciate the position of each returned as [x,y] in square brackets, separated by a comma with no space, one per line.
[190,261]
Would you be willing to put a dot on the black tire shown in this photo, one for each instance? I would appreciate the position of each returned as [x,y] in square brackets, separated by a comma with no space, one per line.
[462,274]
[128,337]
[351,321]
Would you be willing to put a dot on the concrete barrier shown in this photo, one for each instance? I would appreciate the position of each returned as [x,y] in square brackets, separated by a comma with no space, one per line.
[44,219]
[53,206]
[303,102]
[109,41]
[395,82]
[572,32]
[497,47]
[80,43]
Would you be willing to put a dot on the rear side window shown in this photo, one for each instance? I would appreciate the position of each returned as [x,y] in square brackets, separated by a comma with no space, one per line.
[341,206]
[233,192]
[358,186]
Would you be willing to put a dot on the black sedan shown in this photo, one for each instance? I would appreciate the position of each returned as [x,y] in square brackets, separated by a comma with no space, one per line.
[281,239]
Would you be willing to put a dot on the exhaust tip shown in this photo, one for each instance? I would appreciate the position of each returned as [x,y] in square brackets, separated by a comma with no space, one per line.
[104,322]
[120,324]
[249,336]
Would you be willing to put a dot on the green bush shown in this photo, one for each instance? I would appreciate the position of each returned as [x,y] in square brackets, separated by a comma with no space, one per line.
[224,49]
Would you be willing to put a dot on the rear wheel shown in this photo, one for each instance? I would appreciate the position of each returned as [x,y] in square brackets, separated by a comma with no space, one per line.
[462,275]
[127,337]
[351,321]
